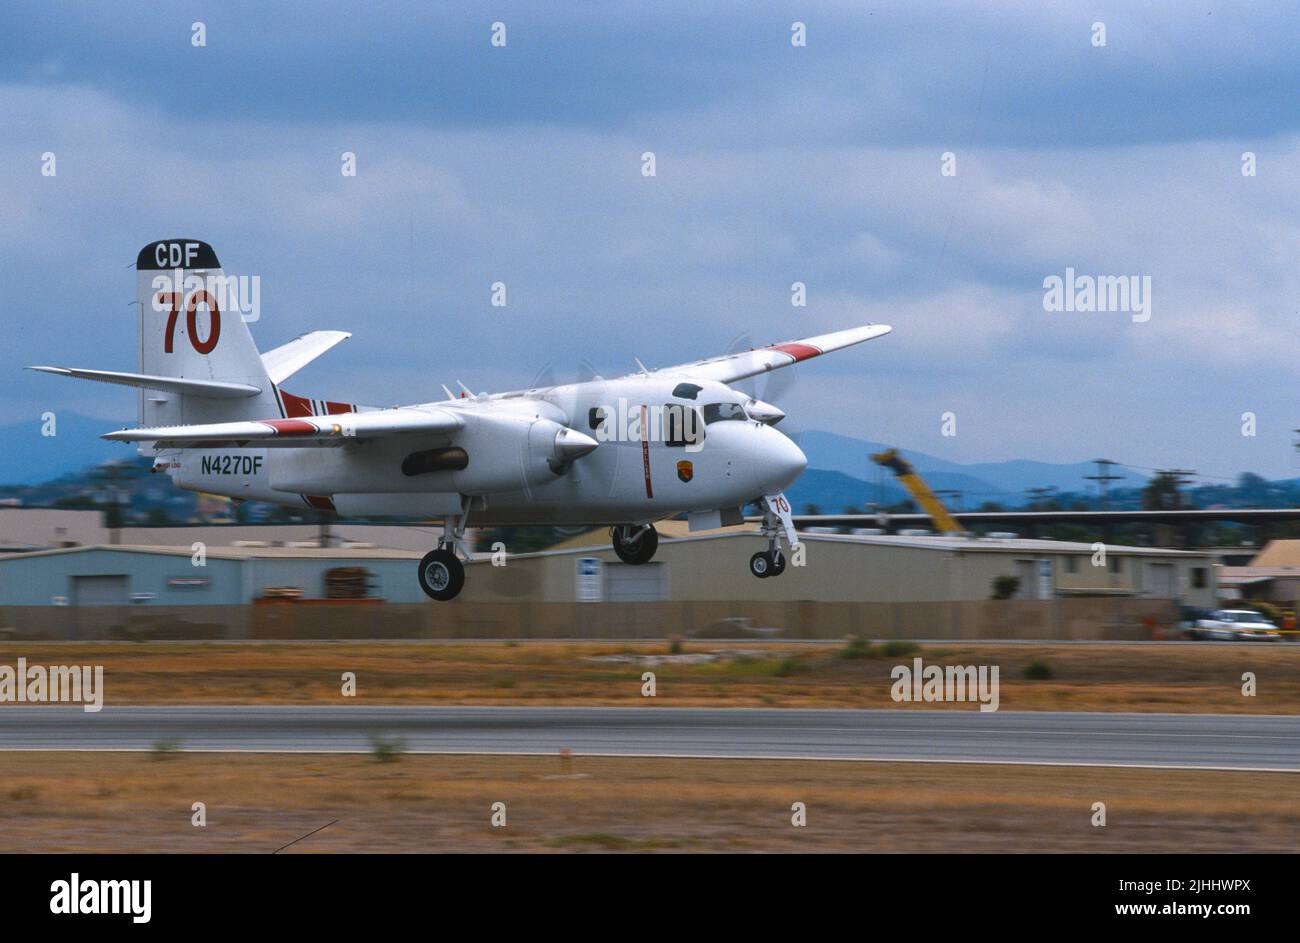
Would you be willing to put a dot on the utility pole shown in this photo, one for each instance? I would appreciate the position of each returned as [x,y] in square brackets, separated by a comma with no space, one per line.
[1103,479]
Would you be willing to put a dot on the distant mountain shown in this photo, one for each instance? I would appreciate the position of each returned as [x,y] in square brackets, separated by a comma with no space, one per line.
[1004,482]
[832,492]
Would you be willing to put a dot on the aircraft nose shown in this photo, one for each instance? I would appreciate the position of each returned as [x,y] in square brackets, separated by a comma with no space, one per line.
[781,462]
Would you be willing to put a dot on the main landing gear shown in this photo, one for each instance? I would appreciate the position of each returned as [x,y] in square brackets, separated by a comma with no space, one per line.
[442,574]
[635,543]
[777,522]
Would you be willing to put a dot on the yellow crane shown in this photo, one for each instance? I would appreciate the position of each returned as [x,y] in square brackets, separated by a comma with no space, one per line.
[918,489]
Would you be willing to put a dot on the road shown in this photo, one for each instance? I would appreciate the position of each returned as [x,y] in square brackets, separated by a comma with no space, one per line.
[1189,741]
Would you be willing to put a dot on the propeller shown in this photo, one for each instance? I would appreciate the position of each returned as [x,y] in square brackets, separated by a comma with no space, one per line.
[766,390]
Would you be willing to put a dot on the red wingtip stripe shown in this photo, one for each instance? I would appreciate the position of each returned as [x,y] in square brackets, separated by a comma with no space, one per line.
[798,351]
[290,426]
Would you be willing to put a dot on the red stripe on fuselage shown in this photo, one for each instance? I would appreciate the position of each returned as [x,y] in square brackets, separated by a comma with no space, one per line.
[295,406]
[645,450]
[798,351]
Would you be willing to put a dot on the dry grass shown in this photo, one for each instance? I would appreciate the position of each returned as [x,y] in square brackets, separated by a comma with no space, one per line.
[1173,678]
[257,803]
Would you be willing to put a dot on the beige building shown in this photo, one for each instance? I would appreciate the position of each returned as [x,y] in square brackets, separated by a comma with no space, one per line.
[844,568]
[1273,576]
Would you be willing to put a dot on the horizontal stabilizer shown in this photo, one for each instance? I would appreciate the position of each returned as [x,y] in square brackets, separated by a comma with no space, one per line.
[214,389]
[288,359]
[306,431]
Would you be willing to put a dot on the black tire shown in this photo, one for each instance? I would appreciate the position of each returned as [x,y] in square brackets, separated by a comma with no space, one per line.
[639,551]
[777,559]
[760,565]
[442,575]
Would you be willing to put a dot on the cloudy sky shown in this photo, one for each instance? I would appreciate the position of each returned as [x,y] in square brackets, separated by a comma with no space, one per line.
[774,164]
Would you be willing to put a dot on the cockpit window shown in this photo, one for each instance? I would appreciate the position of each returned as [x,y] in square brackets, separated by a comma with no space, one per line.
[682,426]
[686,390]
[722,412]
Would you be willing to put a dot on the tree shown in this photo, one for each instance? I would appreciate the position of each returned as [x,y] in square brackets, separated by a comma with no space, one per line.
[1161,493]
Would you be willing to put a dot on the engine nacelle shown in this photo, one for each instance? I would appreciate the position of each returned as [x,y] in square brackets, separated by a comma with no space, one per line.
[493,453]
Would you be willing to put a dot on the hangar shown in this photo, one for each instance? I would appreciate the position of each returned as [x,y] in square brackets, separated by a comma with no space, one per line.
[697,585]
[848,568]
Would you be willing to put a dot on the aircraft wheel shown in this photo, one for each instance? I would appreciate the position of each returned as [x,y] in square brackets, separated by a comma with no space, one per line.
[635,551]
[760,565]
[442,575]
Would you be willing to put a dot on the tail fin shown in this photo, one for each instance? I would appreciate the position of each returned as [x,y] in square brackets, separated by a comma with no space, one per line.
[190,330]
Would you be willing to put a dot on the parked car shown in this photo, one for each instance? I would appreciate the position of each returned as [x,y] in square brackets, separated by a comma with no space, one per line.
[1236,625]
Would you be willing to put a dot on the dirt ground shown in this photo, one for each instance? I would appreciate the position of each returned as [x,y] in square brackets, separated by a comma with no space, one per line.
[258,803]
[1204,677]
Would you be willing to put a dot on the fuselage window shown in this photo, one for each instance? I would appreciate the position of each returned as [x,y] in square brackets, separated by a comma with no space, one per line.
[686,390]
[723,412]
[681,426]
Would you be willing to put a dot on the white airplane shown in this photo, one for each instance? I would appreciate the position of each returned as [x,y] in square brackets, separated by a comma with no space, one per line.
[625,452]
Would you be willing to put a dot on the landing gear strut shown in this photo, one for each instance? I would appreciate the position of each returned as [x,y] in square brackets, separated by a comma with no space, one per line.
[635,543]
[442,574]
[777,522]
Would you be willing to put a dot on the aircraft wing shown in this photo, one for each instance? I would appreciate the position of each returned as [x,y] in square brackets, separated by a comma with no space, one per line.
[748,363]
[307,431]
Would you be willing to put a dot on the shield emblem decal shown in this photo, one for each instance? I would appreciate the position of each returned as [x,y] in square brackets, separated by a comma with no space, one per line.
[685,470]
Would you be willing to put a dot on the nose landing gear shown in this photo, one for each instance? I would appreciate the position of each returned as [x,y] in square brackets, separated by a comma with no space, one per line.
[635,544]
[777,522]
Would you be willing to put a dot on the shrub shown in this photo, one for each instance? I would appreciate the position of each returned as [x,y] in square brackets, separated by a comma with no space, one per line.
[857,647]
[387,749]
[164,748]
[1004,587]
[1038,671]
[896,648]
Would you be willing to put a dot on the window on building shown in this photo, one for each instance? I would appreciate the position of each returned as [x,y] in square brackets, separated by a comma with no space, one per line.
[1071,564]
[1116,564]
[1198,577]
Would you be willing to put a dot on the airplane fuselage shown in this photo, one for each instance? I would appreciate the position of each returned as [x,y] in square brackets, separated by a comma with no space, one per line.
[668,445]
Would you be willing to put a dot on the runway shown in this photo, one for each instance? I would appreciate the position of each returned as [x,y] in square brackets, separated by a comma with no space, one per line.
[1186,741]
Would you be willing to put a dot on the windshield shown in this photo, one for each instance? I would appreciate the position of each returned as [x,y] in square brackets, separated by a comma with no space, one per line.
[723,412]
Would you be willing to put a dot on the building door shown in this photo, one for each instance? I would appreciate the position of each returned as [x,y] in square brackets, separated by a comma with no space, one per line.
[1160,580]
[645,583]
[101,590]
[1027,573]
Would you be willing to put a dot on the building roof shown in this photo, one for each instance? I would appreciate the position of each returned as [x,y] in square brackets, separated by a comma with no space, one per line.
[1279,553]
[237,553]
[676,531]
[1256,574]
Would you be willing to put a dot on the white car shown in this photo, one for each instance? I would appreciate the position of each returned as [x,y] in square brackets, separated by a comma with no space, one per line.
[1237,625]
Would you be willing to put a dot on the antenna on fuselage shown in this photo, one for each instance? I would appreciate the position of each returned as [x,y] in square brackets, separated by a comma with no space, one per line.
[449,393]
[642,366]
[467,391]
